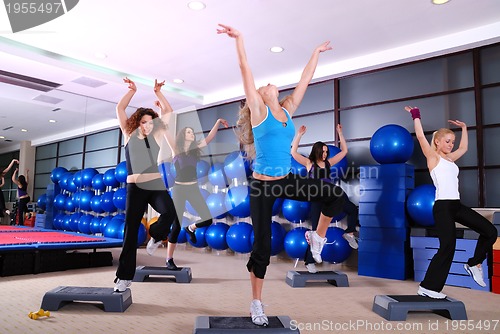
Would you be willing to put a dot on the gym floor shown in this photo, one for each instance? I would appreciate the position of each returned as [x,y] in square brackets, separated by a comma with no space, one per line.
[220,287]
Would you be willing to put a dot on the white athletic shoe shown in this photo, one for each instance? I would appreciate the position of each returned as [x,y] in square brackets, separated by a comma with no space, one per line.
[152,246]
[316,244]
[257,313]
[121,285]
[351,239]
[311,267]
[429,293]
[477,274]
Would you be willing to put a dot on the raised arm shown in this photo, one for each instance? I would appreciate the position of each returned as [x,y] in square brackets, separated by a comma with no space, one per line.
[123,104]
[6,170]
[165,106]
[464,141]
[2,181]
[14,177]
[343,148]
[431,156]
[298,93]
[295,146]
[211,135]
[253,98]
[26,176]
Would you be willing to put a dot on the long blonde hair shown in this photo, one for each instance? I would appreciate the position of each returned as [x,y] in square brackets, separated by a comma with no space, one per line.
[438,134]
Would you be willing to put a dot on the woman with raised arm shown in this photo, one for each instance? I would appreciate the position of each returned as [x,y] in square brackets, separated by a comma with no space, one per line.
[266,130]
[318,167]
[187,151]
[143,134]
[2,183]
[448,209]
[22,195]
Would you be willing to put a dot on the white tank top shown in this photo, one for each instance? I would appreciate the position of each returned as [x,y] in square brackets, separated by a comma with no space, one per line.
[445,179]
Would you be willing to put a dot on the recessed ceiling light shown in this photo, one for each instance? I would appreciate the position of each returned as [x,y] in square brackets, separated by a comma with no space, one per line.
[178,81]
[24,130]
[196,5]
[2,137]
[52,121]
[276,49]
[440,2]
[100,55]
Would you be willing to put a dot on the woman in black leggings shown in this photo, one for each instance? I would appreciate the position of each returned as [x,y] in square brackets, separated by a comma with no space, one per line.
[448,209]
[22,195]
[143,134]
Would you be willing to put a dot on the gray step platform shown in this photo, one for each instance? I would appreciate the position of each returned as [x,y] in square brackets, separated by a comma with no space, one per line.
[62,295]
[242,325]
[396,307]
[181,276]
[298,279]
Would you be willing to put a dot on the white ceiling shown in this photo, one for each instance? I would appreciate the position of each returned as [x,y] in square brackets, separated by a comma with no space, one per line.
[166,40]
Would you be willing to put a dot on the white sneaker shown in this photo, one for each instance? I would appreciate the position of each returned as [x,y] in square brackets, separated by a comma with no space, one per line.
[316,244]
[429,293]
[477,274]
[152,246]
[257,313]
[7,212]
[121,285]
[311,267]
[351,239]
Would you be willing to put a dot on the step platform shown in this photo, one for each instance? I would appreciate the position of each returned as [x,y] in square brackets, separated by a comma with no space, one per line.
[56,298]
[396,307]
[298,279]
[242,325]
[183,275]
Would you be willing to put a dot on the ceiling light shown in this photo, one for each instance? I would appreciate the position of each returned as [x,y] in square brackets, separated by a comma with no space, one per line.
[24,130]
[178,81]
[440,2]
[52,121]
[196,5]
[2,137]
[276,49]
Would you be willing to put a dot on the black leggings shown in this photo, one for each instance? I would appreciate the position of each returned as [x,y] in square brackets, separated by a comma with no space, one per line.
[446,213]
[22,208]
[262,197]
[189,192]
[138,197]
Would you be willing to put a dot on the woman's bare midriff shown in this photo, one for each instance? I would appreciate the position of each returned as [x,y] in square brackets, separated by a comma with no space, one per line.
[262,177]
[139,178]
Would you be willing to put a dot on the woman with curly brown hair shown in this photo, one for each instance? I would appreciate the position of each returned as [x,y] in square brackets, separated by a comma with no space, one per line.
[143,134]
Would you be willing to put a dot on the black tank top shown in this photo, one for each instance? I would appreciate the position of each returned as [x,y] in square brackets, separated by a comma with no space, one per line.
[141,155]
[317,172]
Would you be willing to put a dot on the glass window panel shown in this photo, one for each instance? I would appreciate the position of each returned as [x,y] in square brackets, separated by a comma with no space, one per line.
[319,97]
[490,65]
[45,166]
[71,162]
[468,187]
[71,146]
[470,157]
[320,127]
[492,189]
[427,77]
[38,193]
[359,154]
[101,158]
[46,151]
[209,116]
[491,156]
[102,140]
[42,180]
[422,177]
[491,105]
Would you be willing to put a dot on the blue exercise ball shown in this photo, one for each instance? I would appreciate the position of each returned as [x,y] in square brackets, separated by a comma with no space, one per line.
[238,201]
[391,144]
[234,166]
[87,176]
[95,225]
[189,207]
[295,211]
[336,249]
[121,172]
[339,170]
[77,179]
[59,201]
[109,178]
[85,200]
[63,181]
[74,220]
[76,198]
[112,228]
[216,236]
[71,185]
[57,222]
[69,204]
[238,237]
[142,234]
[57,173]
[98,182]
[107,201]
[298,168]
[41,202]
[278,233]
[119,198]
[419,204]
[84,224]
[104,221]
[216,175]
[295,243]
[200,238]
[95,204]
[216,203]
[165,169]
[66,223]
[202,168]
[278,203]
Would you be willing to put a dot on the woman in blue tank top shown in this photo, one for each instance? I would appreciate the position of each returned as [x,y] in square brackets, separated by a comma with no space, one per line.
[143,133]
[448,209]
[318,167]
[266,131]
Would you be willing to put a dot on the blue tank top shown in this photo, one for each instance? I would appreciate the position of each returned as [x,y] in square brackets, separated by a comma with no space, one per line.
[322,173]
[273,140]
[141,155]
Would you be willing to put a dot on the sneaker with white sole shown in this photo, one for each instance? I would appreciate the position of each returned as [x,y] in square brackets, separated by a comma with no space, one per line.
[476,273]
[257,313]
[311,268]
[152,246]
[316,244]
[429,293]
[121,285]
[351,239]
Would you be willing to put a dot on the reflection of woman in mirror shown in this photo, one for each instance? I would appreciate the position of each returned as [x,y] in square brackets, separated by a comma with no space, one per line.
[143,134]
[2,183]
[22,195]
